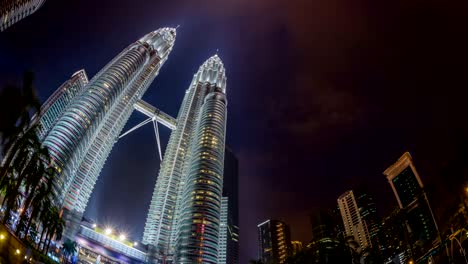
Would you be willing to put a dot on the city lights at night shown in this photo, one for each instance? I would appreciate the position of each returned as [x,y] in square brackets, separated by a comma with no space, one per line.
[108,231]
[233,131]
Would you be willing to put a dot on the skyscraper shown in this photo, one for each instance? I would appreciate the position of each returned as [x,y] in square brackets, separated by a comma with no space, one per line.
[184,217]
[274,241]
[353,220]
[296,247]
[368,212]
[82,137]
[199,209]
[409,192]
[223,231]
[55,105]
[12,11]
[229,233]
[323,225]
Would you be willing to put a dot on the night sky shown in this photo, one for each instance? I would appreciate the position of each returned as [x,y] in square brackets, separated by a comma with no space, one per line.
[323,95]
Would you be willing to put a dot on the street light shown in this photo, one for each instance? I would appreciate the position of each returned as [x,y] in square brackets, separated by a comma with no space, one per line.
[108,231]
[122,237]
[135,244]
[94,225]
[2,236]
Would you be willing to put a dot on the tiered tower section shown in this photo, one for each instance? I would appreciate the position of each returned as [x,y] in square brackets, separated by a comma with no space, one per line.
[12,11]
[199,215]
[201,116]
[83,136]
[58,102]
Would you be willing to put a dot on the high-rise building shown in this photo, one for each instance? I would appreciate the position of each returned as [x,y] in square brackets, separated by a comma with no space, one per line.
[12,11]
[199,211]
[274,241]
[183,221]
[368,212]
[323,225]
[409,192]
[223,231]
[229,233]
[327,236]
[101,144]
[82,137]
[296,247]
[353,221]
[55,105]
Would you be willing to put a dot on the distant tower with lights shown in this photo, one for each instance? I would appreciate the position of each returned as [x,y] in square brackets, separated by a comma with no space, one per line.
[274,241]
[296,247]
[368,212]
[12,11]
[353,220]
[409,193]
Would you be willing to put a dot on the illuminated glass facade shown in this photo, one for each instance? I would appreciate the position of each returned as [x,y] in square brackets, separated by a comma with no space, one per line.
[274,241]
[103,140]
[56,104]
[200,207]
[82,137]
[12,11]
[192,168]
[409,192]
[162,212]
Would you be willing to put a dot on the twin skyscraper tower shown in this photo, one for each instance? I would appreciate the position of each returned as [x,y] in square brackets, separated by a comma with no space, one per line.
[83,119]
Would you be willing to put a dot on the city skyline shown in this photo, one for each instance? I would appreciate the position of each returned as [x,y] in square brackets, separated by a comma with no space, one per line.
[317,106]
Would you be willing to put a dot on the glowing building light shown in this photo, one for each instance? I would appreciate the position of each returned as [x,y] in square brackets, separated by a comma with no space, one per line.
[108,231]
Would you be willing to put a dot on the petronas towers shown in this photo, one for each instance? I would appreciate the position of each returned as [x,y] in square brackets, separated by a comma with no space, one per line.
[83,119]
[184,214]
